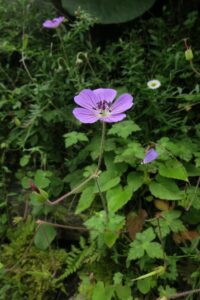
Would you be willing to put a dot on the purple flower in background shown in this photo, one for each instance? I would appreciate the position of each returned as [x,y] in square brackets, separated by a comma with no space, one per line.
[99,104]
[53,23]
[150,156]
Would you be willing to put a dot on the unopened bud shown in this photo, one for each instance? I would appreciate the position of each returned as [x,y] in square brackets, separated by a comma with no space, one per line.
[39,222]
[17,121]
[79,61]
[188,54]
[34,187]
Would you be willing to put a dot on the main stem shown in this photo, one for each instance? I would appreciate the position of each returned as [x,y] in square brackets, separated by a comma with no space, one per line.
[63,48]
[101,146]
[103,135]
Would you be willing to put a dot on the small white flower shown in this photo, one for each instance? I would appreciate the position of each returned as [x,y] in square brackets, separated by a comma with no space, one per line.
[153,84]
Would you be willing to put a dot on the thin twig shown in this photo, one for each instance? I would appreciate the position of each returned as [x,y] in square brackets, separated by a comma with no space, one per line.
[183,294]
[74,191]
[25,66]
[195,192]
[70,227]
[193,68]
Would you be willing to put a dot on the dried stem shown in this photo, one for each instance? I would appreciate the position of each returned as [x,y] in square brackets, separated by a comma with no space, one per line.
[74,191]
[183,294]
[79,228]
[193,68]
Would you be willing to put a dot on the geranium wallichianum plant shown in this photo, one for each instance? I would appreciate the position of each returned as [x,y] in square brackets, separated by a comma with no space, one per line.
[53,23]
[99,104]
[150,156]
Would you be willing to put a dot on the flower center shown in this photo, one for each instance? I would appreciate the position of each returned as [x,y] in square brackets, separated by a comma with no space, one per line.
[104,108]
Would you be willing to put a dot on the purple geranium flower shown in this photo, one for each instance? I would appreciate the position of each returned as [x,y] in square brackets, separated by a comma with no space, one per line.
[150,156]
[99,104]
[53,23]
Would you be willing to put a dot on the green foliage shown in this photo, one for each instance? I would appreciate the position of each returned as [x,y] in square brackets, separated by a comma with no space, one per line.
[107,180]
[165,189]
[85,200]
[170,222]
[144,244]
[166,291]
[101,290]
[135,180]
[24,160]
[76,258]
[74,137]
[124,129]
[173,169]
[105,228]
[44,236]
[41,179]
[145,285]
[109,12]
[118,197]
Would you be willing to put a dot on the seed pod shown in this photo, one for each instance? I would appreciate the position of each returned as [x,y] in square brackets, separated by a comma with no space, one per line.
[188,54]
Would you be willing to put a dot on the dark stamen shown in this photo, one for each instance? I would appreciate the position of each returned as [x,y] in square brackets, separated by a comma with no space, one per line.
[103,105]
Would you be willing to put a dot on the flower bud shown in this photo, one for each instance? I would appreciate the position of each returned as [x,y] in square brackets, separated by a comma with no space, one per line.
[33,187]
[17,122]
[188,54]
[79,61]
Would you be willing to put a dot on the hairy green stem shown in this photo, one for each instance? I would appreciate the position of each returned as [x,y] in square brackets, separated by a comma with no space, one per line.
[101,150]
[63,48]
[103,201]
[103,135]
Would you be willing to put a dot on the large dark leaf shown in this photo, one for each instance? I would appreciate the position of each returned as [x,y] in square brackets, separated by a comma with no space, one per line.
[109,11]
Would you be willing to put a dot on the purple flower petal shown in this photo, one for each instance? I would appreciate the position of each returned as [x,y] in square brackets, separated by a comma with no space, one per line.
[123,103]
[150,156]
[113,118]
[87,99]
[105,94]
[85,115]
[53,23]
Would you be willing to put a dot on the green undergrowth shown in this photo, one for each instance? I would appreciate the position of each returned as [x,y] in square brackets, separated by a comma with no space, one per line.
[146,245]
